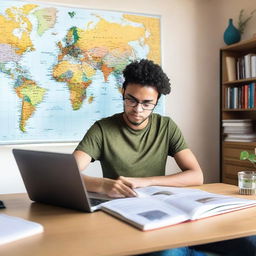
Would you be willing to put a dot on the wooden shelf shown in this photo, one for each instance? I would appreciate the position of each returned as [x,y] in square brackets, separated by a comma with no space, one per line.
[238,109]
[239,144]
[230,162]
[241,46]
[241,81]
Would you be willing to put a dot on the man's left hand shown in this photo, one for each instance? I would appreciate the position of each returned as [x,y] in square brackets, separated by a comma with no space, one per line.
[135,182]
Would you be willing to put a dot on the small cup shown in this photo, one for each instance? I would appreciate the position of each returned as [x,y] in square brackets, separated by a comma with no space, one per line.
[247,183]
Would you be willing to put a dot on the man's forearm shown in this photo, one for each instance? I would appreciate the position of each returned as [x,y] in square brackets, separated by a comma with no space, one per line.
[93,184]
[181,179]
[185,178]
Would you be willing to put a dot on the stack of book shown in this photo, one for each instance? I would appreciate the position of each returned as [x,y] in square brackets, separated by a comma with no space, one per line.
[239,130]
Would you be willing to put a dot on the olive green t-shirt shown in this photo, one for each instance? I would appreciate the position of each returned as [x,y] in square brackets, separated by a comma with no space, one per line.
[123,151]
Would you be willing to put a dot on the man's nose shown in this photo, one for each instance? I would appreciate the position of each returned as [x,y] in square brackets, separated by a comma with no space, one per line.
[138,107]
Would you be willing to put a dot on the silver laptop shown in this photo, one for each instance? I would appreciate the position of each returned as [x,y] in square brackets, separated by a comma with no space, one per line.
[54,178]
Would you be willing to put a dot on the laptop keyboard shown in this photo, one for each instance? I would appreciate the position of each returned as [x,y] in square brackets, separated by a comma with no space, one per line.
[96,201]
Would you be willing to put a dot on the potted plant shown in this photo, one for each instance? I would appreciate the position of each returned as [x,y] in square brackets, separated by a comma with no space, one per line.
[247,179]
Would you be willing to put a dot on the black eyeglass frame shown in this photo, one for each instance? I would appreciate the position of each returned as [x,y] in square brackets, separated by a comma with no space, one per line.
[134,103]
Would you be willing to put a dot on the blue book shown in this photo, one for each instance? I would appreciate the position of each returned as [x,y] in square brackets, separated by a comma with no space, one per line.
[251,95]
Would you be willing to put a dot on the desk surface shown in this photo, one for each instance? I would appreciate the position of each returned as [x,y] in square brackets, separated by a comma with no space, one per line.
[68,232]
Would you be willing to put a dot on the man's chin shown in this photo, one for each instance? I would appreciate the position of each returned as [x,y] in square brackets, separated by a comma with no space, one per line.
[135,123]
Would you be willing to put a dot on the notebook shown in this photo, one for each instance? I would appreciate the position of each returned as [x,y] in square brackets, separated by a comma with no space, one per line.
[14,228]
[54,178]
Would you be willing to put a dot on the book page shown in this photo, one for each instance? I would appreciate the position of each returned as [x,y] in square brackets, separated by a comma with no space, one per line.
[145,213]
[164,206]
[162,190]
[203,204]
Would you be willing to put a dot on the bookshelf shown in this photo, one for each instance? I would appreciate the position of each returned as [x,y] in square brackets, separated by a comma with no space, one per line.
[237,101]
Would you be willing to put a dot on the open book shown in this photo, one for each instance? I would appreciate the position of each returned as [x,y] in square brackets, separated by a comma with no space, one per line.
[157,207]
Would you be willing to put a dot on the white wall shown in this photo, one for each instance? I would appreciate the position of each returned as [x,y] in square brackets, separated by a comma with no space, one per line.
[192,32]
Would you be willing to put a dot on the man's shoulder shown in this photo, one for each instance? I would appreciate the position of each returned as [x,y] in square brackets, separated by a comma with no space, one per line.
[110,120]
[160,118]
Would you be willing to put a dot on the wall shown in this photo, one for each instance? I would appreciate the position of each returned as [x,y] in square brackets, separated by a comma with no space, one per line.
[231,9]
[192,33]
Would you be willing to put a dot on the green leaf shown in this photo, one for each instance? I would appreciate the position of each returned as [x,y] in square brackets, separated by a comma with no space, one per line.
[252,158]
[244,155]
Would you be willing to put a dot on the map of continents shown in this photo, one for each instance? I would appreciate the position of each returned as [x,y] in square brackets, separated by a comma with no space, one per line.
[61,68]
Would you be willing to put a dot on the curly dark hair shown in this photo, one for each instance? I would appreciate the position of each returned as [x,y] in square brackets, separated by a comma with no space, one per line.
[146,72]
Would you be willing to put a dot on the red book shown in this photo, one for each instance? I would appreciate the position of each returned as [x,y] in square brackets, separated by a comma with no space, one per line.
[246,94]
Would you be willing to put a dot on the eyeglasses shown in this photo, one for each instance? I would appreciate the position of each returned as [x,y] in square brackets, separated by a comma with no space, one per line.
[134,103]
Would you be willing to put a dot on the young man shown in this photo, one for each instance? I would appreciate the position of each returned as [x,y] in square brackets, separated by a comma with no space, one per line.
[133,146]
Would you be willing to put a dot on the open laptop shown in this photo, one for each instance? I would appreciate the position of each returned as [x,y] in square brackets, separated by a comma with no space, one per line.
[54,178]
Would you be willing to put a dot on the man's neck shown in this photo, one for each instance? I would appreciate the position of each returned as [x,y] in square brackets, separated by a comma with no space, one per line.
[135,126]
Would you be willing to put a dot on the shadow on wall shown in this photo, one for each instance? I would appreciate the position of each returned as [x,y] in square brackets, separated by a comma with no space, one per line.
[209,38]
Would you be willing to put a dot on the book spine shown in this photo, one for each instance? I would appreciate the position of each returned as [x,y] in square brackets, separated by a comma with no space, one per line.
[243,68]
[242,97]
[238,68]
[235,95]
[249,92]
[253,65]
[247,63]
[231,98]
[246,96]
[251,89]
[254,96]
[231,68]
[228,98]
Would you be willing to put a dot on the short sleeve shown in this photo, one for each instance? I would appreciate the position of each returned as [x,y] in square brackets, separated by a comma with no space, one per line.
[92,142]
[177,141]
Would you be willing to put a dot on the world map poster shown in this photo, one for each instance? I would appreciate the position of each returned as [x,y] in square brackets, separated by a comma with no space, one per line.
[61,67]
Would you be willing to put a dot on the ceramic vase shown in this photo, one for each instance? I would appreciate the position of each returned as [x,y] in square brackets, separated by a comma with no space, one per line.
[232,34]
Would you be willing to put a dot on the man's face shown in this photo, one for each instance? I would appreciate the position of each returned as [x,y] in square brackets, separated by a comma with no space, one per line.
[139,102]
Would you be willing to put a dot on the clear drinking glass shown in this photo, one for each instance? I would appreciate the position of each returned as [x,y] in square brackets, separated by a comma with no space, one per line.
[247,182]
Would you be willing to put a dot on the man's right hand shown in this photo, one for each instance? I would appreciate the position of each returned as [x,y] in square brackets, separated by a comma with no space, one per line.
[112,188]
[116,188]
